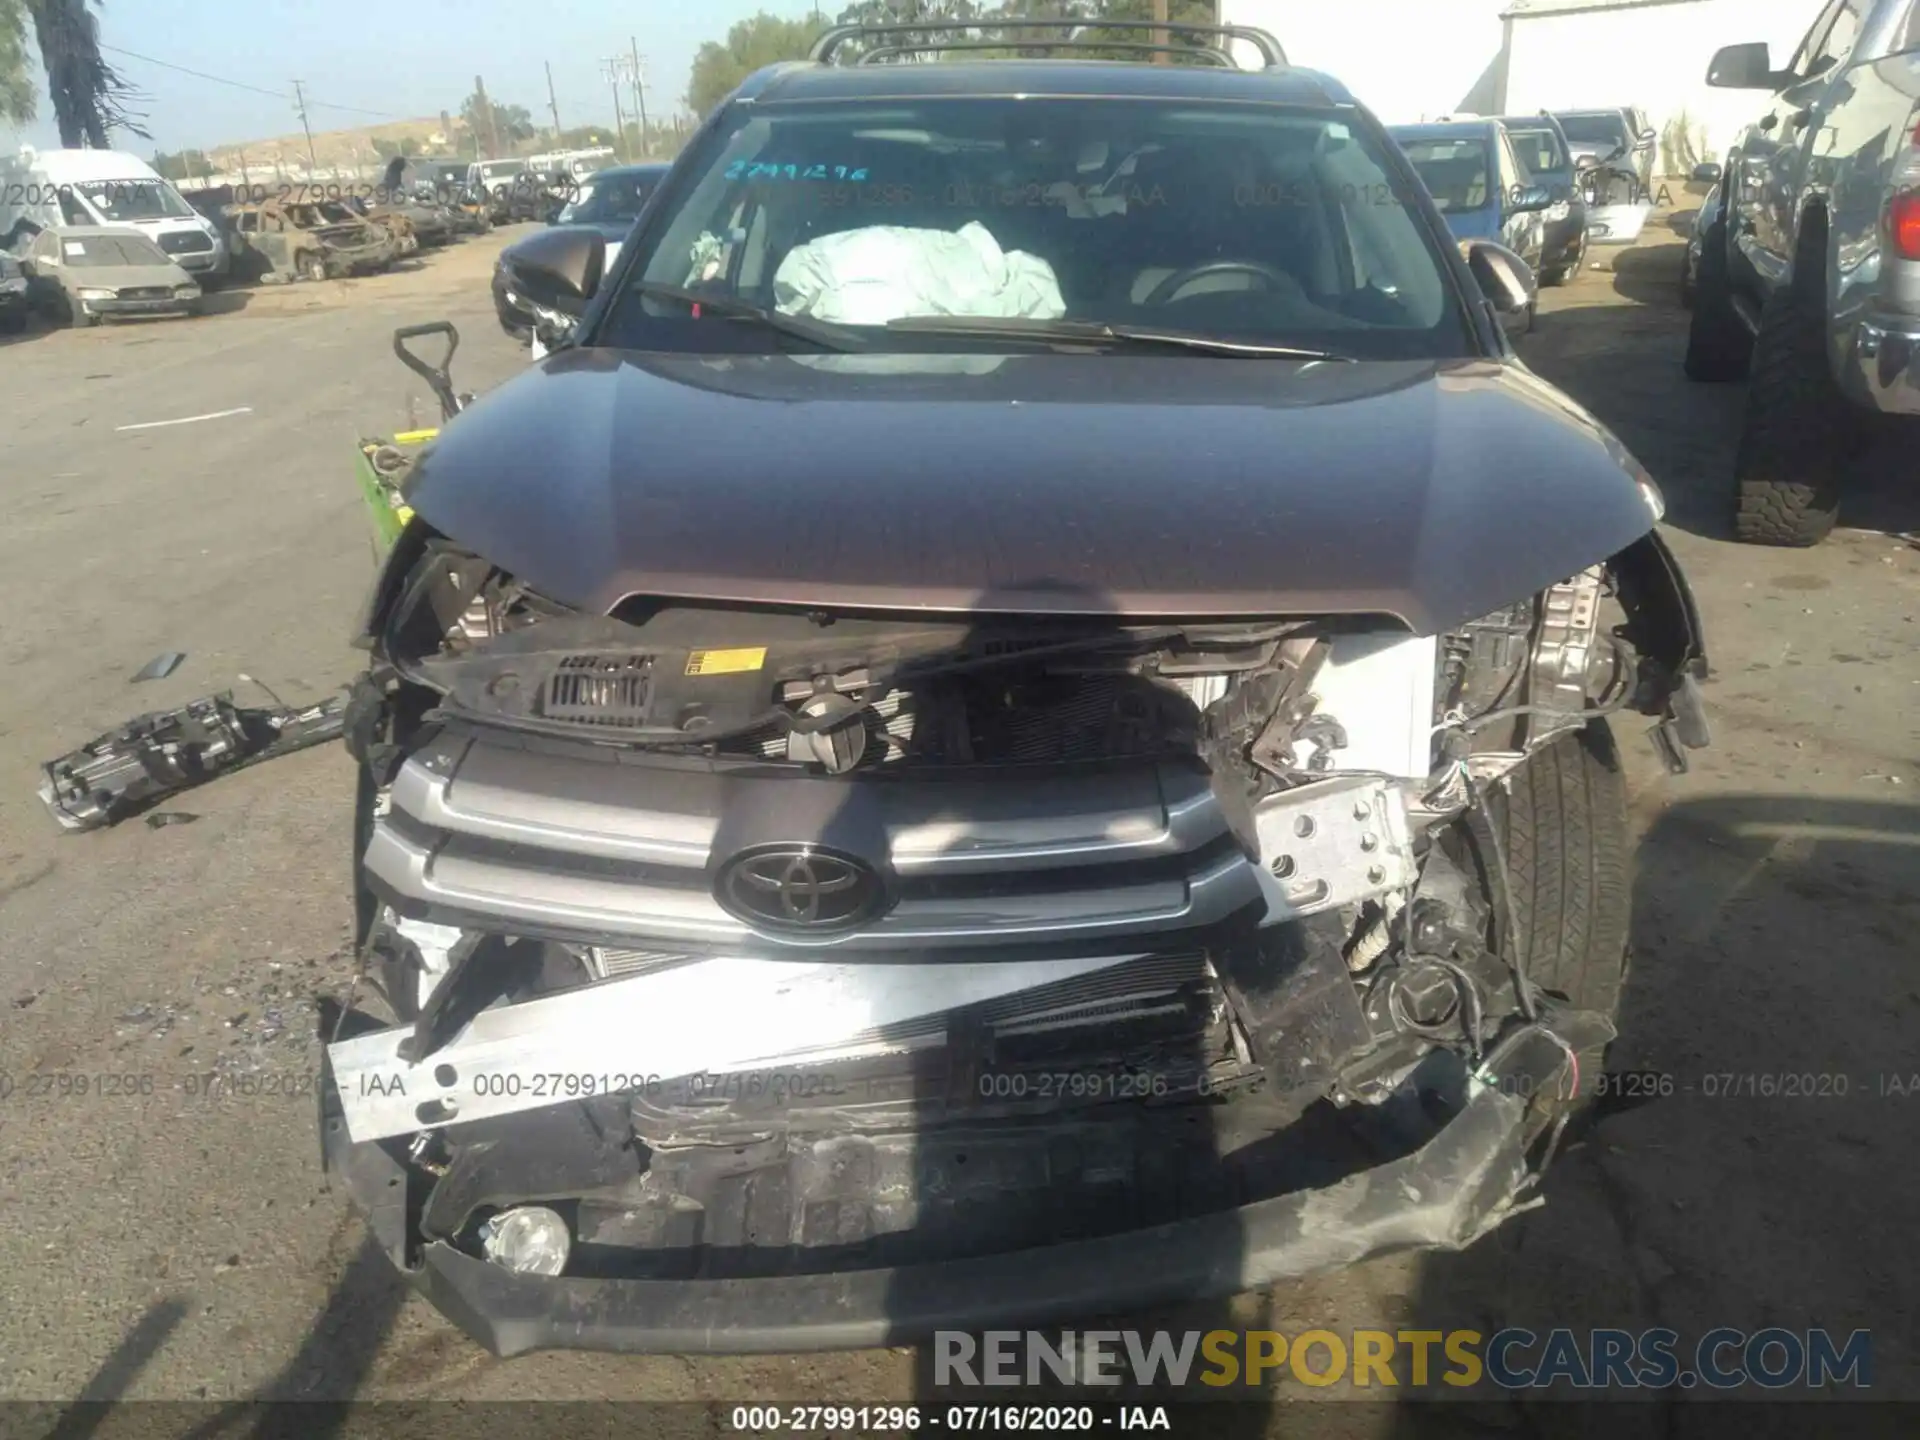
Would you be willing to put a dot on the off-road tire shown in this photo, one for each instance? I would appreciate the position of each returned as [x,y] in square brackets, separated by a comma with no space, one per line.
[1719,346]
[1798,436]
[310,266]
[1568,854]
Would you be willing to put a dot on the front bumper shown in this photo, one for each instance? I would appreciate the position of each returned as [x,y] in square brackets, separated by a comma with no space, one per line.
[119,308]
[1445,1195]
[343,261]
[1617,224]
[1883,370]
[215,262]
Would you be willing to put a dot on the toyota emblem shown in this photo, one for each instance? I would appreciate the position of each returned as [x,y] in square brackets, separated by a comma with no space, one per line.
[799,889]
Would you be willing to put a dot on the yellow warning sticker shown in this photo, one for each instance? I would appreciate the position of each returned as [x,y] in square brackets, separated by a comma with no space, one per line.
[413,437]
[726,662]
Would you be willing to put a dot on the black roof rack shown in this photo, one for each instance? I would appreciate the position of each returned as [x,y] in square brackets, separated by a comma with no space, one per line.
[924,35]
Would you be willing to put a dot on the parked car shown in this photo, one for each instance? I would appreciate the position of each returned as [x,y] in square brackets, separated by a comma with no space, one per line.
[86,274]
[515,193]
[1809,280]
[1480,186]
[1162,635]
[298,240]
[1621,138]
[1614,154]
[432,223]
[15,306]
[1542,149]
[610,200]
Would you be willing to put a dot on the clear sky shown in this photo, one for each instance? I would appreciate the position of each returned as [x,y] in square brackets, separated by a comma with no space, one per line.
[398,59]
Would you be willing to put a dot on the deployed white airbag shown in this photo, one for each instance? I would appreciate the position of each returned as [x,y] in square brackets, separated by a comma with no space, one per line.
[885,272]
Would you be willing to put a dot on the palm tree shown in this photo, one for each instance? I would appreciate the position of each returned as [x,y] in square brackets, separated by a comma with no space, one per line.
[89,96]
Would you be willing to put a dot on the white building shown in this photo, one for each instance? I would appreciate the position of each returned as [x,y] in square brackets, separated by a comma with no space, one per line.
[1411,60]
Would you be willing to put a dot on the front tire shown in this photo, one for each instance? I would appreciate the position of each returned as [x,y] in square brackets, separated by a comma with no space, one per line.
[1719,348]
[1568,846]
[1798,438]
[311,266]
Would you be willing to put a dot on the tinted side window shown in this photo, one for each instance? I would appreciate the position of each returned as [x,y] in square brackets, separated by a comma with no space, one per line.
[1803,57]
[1839,43]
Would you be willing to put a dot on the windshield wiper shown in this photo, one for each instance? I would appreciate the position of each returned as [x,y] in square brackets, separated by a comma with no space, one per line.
[817,332]
[1098,332]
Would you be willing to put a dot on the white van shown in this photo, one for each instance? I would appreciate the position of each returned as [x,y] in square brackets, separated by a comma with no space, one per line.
[55,188]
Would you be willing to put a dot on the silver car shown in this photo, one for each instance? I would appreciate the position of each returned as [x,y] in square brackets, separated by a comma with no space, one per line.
[91,273]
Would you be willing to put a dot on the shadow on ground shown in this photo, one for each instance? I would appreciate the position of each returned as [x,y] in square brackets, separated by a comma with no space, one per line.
[1771,953]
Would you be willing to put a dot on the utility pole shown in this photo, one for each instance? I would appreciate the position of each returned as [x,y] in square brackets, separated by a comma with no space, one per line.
[1160,37]
[611,68]
[300,104]
[639,95]
[485,117]
[552,103]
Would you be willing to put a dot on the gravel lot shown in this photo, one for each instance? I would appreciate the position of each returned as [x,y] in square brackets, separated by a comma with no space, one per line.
[177,1245]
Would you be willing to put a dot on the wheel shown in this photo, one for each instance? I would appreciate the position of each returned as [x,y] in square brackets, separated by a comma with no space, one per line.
[1561,274]
[1798,435]
[310,266]
[1718,345]
[79,316]
[1567,848]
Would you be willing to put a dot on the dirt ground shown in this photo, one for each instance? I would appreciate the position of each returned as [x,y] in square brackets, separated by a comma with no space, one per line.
[178,1245]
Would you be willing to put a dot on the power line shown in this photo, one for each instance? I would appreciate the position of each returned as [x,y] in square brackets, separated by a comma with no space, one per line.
[242,85]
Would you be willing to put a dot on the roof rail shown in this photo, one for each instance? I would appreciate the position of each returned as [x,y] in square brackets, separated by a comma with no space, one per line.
[1205,53]
[923,35]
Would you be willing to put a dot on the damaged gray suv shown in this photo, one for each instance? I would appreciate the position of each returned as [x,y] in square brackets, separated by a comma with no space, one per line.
[1016,724]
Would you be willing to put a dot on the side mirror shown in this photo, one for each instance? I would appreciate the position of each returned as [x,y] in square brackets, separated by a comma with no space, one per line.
[1742,67]
[1531,197]
[1503,277]
[558,269]
[1707,173]
[1646,140]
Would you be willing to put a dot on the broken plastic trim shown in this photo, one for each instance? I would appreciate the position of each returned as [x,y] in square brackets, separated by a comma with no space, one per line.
[166,751]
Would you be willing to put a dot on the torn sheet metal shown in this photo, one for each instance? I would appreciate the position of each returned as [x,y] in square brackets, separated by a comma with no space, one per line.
[166,751]
[716,1015]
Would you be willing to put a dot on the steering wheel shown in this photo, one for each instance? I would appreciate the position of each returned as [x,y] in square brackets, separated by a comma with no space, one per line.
[1180,279]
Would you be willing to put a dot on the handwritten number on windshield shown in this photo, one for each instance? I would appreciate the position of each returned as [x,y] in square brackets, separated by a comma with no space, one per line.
[762,170]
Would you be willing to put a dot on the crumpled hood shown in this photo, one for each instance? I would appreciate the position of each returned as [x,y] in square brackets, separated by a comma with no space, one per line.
[1133,486]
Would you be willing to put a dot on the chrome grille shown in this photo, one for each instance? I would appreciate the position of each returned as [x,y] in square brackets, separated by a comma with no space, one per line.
[619,849]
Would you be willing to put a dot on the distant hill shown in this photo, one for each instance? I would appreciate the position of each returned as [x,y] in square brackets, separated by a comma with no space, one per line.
[366,145]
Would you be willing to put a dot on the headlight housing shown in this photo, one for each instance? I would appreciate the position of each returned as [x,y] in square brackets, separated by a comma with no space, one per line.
[95,294]
[185,292]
